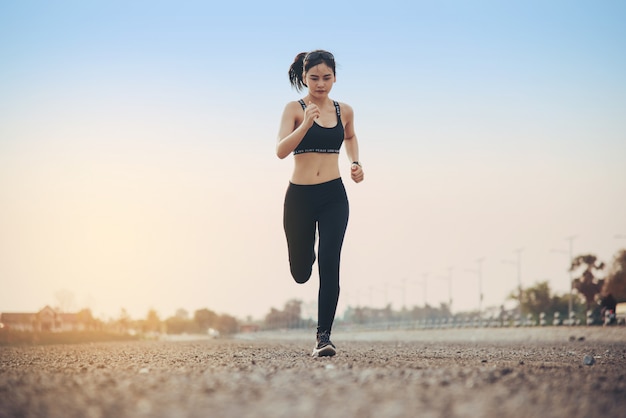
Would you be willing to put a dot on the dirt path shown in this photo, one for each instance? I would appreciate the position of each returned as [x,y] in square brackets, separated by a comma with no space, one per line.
[447,373]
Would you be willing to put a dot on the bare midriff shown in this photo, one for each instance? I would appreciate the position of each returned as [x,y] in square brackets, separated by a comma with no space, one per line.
[315,168]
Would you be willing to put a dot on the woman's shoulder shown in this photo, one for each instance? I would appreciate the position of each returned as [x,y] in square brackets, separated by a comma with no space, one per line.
[292,108]
[346,109]
[293,105]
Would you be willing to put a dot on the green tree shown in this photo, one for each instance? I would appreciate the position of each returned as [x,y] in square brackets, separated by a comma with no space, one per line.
[86,318]
[205,319]
[539,298]
[293,312]
[152,322]
[182,313]
[227,324]
[560,304]
[124,322]
[289,317]
[587,284]
[535,299]
[615,282]
[180,323]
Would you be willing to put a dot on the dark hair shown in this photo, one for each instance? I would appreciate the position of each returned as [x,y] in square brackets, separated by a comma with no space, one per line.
[304,61]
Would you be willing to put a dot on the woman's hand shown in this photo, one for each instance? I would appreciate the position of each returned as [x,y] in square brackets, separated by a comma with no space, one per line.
[356,172]
[311,113]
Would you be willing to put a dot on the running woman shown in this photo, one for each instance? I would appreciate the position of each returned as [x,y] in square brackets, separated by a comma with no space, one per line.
[313,130]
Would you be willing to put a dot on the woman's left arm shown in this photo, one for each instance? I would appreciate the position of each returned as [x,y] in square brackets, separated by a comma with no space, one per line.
[352,144]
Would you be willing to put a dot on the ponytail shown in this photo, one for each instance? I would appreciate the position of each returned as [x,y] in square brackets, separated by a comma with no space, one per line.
[295,72]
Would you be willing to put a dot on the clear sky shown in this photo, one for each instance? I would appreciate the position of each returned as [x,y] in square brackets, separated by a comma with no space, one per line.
[137,139]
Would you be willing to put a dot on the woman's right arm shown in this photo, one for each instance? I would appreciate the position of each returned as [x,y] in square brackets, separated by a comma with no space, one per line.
[290,133]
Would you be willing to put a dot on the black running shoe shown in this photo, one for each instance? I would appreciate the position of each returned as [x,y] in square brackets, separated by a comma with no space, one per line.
[324,347]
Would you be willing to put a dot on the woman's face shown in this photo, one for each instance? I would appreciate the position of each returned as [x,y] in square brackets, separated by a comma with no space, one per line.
[320,80]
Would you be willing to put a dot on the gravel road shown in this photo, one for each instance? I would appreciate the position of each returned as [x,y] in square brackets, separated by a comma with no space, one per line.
[538,372]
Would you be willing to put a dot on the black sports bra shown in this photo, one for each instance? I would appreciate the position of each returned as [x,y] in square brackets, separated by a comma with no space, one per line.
[321,139]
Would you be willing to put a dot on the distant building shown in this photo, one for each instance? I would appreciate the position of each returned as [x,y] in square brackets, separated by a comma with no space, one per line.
[249,327]
[47,319]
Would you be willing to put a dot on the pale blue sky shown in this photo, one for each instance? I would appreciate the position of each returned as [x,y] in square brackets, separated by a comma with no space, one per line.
[137,164]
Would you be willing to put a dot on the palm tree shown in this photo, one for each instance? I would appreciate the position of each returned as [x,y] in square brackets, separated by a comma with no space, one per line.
[615,282]
[587,284]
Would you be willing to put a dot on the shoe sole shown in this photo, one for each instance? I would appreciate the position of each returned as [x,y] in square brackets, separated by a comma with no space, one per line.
[327,351]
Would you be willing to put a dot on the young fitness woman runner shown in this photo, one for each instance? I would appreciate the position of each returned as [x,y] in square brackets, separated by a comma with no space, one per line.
[313,129]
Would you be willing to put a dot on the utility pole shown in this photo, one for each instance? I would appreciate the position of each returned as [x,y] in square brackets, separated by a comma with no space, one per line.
[448,278]
[404,293]
[450,289]
[480,287]
[519,279]
[518,264]
[479,272]
[570,254]
[425,283]
[571,278]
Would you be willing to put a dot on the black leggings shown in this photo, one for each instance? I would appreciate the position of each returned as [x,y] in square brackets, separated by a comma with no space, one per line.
[324,205]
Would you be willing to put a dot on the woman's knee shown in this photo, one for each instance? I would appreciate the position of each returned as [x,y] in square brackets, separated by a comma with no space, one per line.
[301,274]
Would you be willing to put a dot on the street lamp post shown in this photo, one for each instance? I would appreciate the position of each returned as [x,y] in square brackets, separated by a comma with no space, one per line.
[479,272]
[570,254]
[448,278]
[480,287]
[518,264]
[450,289]
[424,284]
[404,293]
[571,278]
